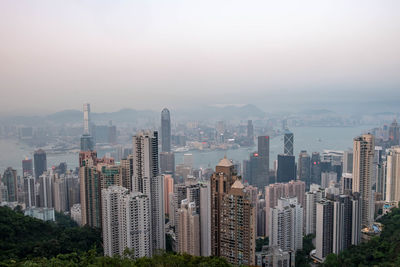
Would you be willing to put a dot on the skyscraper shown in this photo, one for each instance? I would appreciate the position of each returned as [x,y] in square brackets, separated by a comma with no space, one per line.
[168,189]
[304,168]
[288,143]
[263,153]
[188,232]
[342,223]
[221,181]
[324,229]
[46,190]
[237,228]
[87,142]
[10,181]
[315,168]
[286,225]
[312,198]
[167,163]
[286,168]
[363,154]
[394,133]
[250,133]
[165,131]
[29,191]
[348,162]
[86,119]
[27,167]
[40,162]
[125,222]
[205,219]
[147,180]
[393,175]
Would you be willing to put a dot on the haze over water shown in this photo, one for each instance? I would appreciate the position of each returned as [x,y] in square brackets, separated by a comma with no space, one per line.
[305,138]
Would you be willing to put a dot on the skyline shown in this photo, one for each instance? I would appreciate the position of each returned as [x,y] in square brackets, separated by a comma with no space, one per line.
[61,54]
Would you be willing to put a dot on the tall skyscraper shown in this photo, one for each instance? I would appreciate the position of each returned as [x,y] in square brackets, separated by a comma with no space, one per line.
[394,133]
[312,198]
[304,168]
[393,175]
[87,142]
[324,229]
[40,162]
[167,163]
[315,168]
[205,219]
[125,222]
[10,181]
[29,191]
[348,161]
[86,119]
[188,232]
[363,154]
[288,143]
[342,223]
[46,190]
[263,153]
[27,167]
[286,168]
[274,192]
[286,225]
[168,189]
[221,181]
[165,131]
[147,180]
[250,133]
[237,228]
[89,189]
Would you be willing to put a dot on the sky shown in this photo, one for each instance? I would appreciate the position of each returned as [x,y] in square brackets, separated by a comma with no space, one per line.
[56,55]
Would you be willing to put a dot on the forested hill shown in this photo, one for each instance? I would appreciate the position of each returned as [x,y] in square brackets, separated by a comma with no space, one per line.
[25,241]
[23,237]
[383,250]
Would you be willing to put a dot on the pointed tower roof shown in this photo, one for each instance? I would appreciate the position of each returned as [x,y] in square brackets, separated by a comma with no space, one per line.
[237,184]
[225,162]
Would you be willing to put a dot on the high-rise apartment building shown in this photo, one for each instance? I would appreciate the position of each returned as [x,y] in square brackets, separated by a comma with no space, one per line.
[205,219]
[165,131]
[342,223]
[147,180]
[221,181]
[168,189]
[348,161]
[125,222]
[393,175]
[46,190]
[288,143]
[324,229]
[363,154]
[29,191]
[188,232]
[312,198]
[274,192]
[286,225]
[40,162]
[237,228]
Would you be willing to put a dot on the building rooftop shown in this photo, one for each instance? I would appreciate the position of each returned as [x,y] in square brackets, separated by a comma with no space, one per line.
[225,162]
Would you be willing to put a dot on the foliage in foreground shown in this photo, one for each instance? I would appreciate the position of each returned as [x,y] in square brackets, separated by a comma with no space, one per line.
[91,258]
[23,237]
[383,250]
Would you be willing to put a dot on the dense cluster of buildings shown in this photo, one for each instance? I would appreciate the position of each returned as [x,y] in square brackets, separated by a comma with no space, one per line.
[145,196]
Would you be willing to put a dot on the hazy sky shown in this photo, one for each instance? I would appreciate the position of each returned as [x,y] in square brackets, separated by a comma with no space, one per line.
[56,55]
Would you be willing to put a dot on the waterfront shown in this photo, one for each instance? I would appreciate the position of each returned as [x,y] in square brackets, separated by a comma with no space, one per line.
[311,139]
